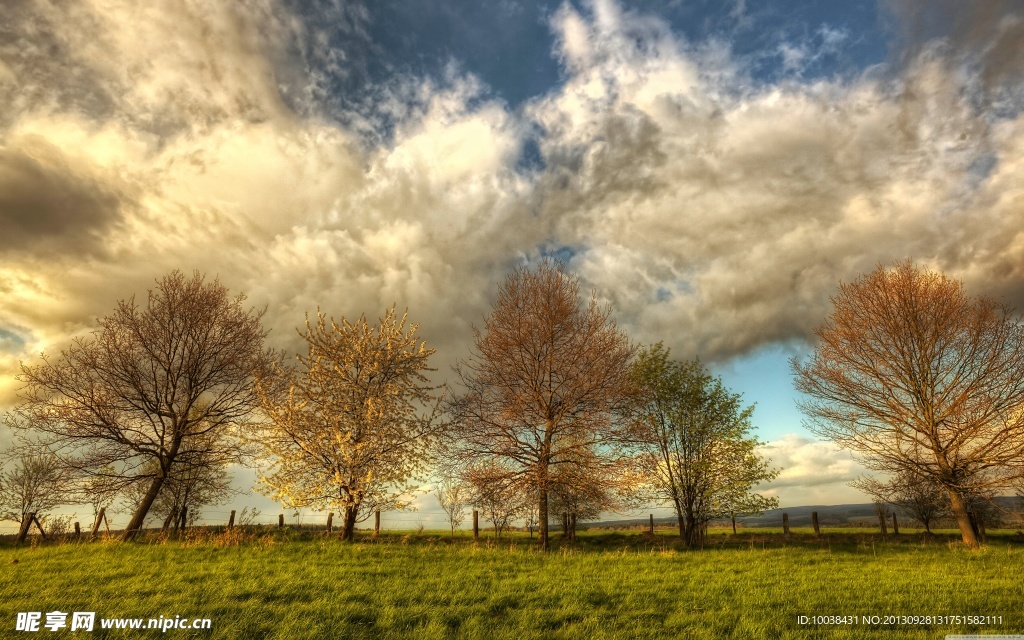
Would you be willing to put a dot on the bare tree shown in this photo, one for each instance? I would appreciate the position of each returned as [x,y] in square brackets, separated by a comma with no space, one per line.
[494,491]
[35,484]
[454,497]
[882,512]
[915,375]
[197,480]
[542,383]
[530,519]
[918,497]
[200,480]
[101,490]
[693,443]
[353,421]
[149,381]
[580,496]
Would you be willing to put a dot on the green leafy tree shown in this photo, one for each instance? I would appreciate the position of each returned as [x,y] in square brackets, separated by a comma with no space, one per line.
[693,444]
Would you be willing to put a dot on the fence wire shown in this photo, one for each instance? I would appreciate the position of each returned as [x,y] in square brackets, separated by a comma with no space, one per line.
[389,521]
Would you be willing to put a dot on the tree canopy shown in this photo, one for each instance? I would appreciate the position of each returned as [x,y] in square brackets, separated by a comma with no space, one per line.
[915,375]
[542,385]
[352,421]
[127,401]
[693,444]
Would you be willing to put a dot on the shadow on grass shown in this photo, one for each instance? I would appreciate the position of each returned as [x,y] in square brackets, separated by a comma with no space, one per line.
[838,539]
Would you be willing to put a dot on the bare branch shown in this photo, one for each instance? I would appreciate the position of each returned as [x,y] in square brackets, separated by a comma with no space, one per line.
[916,376]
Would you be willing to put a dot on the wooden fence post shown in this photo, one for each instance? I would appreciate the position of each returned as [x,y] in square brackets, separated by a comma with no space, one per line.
[330,522]
[39,525]
[280,521]
[476,524]
[376,523]
[785,524]
[651,529]
[814,521]
[100,517]
[231,520]
[78,531]
[26,522]
[895,525]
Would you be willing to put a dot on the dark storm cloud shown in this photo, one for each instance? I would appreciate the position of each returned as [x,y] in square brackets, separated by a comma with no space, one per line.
[45,204]
[987,34]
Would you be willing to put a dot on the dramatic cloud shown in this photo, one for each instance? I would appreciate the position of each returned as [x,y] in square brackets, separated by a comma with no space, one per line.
[715,210]
[706,206]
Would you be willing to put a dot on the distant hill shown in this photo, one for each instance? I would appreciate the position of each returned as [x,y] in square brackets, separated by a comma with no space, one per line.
[828,515]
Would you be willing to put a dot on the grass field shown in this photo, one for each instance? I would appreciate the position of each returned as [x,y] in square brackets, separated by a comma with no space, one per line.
[607,585]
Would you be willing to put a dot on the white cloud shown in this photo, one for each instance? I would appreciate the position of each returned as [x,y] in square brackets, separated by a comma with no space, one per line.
[715,212]
[759,199]
[812,472]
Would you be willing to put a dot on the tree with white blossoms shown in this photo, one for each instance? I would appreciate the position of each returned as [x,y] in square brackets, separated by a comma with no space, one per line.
[352,423]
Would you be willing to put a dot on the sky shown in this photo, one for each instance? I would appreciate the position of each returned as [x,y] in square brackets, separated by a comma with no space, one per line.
[710,169]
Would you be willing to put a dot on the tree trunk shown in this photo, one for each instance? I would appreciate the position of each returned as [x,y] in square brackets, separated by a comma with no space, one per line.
[26,522]
[349,531]
[135,525]
[543,460]
[542,525]
[694,537]
[977,523]
[689,530]
[963,519]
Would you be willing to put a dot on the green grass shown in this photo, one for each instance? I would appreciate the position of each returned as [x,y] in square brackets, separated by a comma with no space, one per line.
[607,585]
